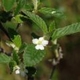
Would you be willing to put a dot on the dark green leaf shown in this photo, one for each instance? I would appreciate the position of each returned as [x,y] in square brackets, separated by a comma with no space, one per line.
[11,65]
[32,56]
[37,20]
[20,5]
[15,57]
[70,29]
[4,58]
[52,26]
[8,4]
[22,48]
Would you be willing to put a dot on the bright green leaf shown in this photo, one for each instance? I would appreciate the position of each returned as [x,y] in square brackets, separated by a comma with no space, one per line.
[70,29]
[17,40]
[37,20]
[17,18]
[4,58]
[32,56]
[8,4]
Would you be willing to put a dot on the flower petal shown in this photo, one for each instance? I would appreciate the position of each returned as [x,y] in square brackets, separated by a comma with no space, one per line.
[39,47]
[17,71]
[44,43]
[35,41]
[41,38]
[42,48]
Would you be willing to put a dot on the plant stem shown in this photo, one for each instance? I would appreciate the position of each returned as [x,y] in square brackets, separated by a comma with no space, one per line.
[52,72]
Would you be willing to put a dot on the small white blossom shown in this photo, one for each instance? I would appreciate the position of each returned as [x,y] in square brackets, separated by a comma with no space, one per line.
[53,12]
[40,43]
[16,69]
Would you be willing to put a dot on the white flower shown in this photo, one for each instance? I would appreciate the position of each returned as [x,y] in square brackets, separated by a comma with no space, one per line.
[40,43]
[16,69]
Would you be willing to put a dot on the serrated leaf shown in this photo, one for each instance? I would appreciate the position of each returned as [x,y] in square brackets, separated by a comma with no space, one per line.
[4,58]
[70,29]
[38,21]
[17,40]
[32,56]
[8,4]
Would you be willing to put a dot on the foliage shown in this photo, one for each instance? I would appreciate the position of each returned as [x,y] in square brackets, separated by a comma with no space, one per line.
[19,12]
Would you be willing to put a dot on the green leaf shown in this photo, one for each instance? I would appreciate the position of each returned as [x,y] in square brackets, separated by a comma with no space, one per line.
[46,10]
[32,56]
[11,65]
[15,57]
[70,29]
[8,4]
[4,58]
[20,5]
[28,7]
[17,40]
[37,20]
[52,26]
[17,18]
[23,46]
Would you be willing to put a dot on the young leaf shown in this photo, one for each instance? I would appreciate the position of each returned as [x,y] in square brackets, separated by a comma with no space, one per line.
[15,57]
[8,4]
[37,20]
[52,26]
[32,56]
[17,18]
[4,58]
[12,63]
[20,5]
[46,10]
[17,41]
[70,29]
